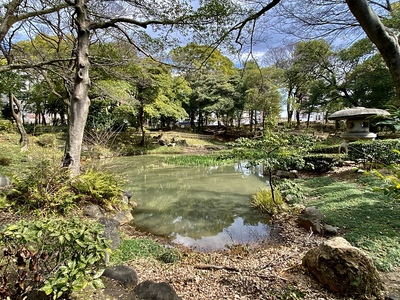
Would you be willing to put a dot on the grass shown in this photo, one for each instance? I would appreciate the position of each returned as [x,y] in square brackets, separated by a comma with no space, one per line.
[369,219]
[135,249]
[198,160]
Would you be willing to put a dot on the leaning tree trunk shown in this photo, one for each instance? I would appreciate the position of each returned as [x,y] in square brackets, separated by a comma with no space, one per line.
[384,39]
[23,141]
[80,101]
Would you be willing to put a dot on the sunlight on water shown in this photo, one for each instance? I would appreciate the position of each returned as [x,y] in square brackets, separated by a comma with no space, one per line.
[205,208]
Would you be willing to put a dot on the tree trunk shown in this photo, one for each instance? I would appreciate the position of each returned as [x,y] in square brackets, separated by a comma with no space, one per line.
[23,141]
[385,40]
[141,123]
[80,101]
[251,121]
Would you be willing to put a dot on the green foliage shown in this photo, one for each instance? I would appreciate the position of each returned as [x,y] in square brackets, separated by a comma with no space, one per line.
[389,181]
[266,203]
[135,249]
[6,126]
[291,293]
[47,187]
[56,256]
[379,152]
[101,188]
[369,219]
[199,160]
[170,256]
[322,162]
[46,140]
[291,191]
[391,122]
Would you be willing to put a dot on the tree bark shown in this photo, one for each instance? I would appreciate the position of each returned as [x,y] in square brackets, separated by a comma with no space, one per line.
[80,101]
[141,122]
[385,40]
[23,141]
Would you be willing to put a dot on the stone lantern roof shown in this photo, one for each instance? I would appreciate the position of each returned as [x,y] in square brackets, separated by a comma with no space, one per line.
[357,112]
[357,123]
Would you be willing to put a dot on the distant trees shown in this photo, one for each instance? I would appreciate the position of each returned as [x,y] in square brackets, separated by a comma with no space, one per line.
[56,42]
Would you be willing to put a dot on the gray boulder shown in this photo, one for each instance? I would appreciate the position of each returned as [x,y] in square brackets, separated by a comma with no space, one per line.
[123,274]
[344,269]
[93,211]
[311,217]
[123,217]
[111,231]
[150,290]
[330,230]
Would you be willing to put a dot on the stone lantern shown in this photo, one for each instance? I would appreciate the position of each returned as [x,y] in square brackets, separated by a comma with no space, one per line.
[357,123]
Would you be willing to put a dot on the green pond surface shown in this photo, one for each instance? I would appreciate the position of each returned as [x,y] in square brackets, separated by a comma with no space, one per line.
[205,208]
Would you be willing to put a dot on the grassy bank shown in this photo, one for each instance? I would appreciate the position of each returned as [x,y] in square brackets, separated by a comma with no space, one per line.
[367,219]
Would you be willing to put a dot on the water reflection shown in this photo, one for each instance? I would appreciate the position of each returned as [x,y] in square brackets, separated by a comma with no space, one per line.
[237,233]
[202,207]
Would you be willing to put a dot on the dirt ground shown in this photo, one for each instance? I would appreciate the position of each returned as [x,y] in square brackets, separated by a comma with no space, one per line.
[271,270]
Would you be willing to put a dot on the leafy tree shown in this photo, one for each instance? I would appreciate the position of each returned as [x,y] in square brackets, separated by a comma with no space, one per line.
[209,74]
[261,91]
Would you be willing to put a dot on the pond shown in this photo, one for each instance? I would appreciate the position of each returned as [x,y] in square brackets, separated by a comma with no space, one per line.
[205,208]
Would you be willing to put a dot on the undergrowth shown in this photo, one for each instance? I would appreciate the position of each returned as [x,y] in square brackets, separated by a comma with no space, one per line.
[368,219]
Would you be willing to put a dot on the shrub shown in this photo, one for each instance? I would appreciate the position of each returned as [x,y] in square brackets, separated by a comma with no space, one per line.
[291,191]
[101,188]
[49,187]
[46,140]
[6,126]
[56,256]
[45,187]
[322,162]
[391,181]
[170,256]
[376,152]
[264,201]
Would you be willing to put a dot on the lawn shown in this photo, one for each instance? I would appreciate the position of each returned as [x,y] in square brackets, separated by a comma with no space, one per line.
[366,218]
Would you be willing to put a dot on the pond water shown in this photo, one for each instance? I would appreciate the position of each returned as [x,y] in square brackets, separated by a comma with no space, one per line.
[205,208]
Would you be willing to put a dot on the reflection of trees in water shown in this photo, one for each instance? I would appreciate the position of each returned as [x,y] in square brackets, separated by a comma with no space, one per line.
[190,201]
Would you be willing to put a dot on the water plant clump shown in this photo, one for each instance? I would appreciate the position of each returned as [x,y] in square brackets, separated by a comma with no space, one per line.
[199,160]
[267,202]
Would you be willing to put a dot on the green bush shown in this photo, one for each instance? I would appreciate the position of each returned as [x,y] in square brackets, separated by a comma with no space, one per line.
[46,187]
[6,126]
[322,162]
[46,140]
[170,256]
[101,188]
[290,191]
[390,181]
[377,152]
[325,149]
[49,187]
[56,256]
[264,202]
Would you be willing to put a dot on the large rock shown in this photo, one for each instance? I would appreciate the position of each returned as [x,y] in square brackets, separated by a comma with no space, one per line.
[344,269]
[111,231]
[150,290]
[311,217]
[123,274]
